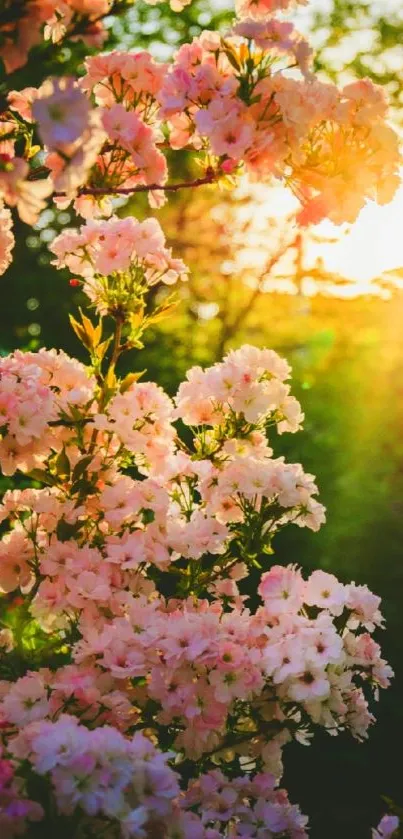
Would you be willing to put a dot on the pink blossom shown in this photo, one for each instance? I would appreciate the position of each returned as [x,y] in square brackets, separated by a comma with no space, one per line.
[324,590]
[282,589]
[263,8]
[26,701]
[62,112]
[17,191]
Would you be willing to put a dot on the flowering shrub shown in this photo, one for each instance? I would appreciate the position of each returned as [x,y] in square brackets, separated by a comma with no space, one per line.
[141,695]
[127,638]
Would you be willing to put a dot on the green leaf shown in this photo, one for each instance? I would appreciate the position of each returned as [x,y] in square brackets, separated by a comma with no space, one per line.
[86,332]
[82,487]
[231,54]
[43,477]
[81,467]
[79,330]
[267,549]
[129,380]
[102,348]
[66,531]
[93,334]
[62,465]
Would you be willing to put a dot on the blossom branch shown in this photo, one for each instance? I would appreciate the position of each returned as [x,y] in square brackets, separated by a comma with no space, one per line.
[209,178]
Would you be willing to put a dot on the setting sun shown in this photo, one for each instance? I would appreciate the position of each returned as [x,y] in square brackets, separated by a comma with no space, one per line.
[371,246]
[360,253]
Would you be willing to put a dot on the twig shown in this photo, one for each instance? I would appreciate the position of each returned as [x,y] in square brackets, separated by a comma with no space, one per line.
[89,190]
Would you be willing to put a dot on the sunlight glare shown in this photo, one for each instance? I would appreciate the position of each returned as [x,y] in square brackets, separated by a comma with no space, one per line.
[362,251]
[371,246]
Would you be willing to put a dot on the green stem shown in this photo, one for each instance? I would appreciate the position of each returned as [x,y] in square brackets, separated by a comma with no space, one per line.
[116,345]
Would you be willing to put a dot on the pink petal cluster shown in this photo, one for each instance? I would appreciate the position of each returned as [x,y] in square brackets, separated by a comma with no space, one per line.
[62,113]
[25,34]
[203,666]
[115,257]
[199,662]
[44,18]
[249,381]
[100,771]
[17,191]
[132,78]
[71,132]
[90,556]
[308,128]
[230,98]
[35,390]
[125,781]
[183,505]
[125,87]
[263,8]
[249,805]
[142,420]
[68,12]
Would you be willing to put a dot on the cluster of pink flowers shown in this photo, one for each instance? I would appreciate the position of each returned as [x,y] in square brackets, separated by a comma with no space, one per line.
[261,8]
[309,659]
[118,259]
[186,504]
[71,132]
[89,556]
[248,805]
[28,197]
[120,780]
[125,87]
[303,130]
[36,389]
[39,19]
[249,381]
[141,420]
[55,20]
[24,33]
[203,668]
[230,99]
[100,771]
[201,663]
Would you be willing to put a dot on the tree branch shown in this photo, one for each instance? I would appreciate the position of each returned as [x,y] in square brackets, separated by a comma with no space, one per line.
[230,329]
[89,190]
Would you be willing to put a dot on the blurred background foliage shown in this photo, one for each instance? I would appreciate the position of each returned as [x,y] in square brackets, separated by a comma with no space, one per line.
[346,356]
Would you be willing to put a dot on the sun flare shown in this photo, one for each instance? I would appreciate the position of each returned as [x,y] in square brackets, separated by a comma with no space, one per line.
[360,253]
[371,246]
